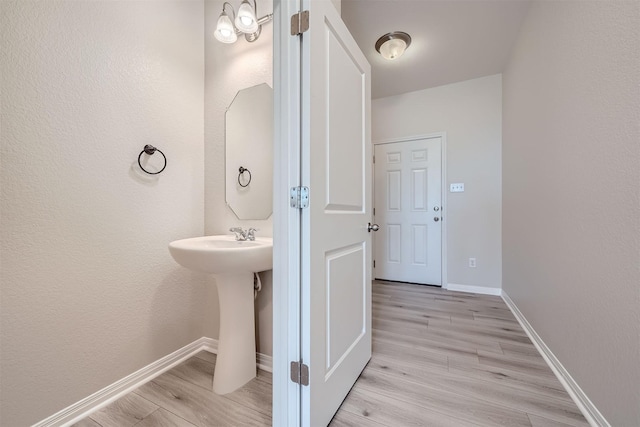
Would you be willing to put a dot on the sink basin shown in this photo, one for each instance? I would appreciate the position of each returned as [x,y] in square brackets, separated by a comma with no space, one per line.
[223,254]
[233,264]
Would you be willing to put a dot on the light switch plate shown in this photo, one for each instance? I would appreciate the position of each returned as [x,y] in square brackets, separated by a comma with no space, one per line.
[456,188]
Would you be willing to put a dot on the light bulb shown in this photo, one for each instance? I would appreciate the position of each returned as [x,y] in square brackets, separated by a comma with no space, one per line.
[224,30]
[246,20]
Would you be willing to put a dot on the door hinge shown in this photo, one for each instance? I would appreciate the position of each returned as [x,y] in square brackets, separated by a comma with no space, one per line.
[299,23]
[299,373]
[299,197]
[374,263]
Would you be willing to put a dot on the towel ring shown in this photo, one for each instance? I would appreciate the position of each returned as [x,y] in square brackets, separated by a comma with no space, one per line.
[150,149]
[241,172]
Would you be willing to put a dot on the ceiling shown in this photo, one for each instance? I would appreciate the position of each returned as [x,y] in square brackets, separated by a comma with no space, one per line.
[452,40]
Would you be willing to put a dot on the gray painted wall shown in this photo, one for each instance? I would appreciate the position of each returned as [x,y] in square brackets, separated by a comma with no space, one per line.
[228,69]
[571,192]
[470,113]
[89,291]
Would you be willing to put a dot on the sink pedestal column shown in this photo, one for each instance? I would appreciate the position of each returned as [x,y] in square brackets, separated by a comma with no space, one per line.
[236,360]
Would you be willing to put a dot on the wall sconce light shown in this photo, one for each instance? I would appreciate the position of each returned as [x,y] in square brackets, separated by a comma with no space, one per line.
[392,45]
[245,22]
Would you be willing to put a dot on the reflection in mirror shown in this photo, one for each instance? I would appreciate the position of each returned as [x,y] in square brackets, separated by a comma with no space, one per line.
[249,153]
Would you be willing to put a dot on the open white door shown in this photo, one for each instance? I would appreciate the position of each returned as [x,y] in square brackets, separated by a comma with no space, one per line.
[336,244]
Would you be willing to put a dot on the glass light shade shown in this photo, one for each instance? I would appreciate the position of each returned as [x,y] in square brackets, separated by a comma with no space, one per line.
[246,20]
[225,32]
[393,49]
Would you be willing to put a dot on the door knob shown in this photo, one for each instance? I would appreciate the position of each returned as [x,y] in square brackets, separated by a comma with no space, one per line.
[374,227]
[436,208]
[436,219]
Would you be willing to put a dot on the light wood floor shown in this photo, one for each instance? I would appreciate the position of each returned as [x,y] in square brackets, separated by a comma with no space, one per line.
[184,397]
[445,358]
[440,358]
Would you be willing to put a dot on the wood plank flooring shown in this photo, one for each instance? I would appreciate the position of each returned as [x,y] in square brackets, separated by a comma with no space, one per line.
[440,358]
[444,358]
[184,397]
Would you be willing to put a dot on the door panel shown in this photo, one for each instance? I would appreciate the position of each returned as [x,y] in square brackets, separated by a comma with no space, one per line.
[346,322]
[408,190]
[395,239]
[345,168]
[394,184]
[419,234]
[419,189]
[336,246]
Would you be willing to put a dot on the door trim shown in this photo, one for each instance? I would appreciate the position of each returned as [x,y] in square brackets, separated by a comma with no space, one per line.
[443,172]
[286,220]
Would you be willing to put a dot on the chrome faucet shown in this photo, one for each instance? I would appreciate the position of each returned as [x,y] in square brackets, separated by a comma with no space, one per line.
[251,234]
[242,235]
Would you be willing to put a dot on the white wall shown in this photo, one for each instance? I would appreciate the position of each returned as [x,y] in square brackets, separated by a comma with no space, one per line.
[470,113]
[338,5]
[89,291]
[230,68]
[571,162]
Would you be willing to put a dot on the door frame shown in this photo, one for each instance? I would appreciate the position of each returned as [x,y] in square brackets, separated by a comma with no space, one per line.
[443,180]
[287,222]
[286,397]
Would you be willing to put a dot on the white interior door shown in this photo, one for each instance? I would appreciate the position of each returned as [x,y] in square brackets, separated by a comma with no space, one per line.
[336,246]
[408,208]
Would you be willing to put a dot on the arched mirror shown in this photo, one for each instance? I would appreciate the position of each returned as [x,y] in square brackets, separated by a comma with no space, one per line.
[249,153]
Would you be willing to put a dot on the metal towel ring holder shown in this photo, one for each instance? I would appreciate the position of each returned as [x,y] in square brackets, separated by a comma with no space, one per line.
[150,149]
[241,172]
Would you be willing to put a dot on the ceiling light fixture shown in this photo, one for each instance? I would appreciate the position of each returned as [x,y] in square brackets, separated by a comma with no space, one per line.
[225,32]
[246,22]
[392,45]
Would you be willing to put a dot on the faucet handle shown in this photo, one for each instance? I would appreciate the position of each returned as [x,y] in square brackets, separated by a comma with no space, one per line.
[239,232]
[251,233]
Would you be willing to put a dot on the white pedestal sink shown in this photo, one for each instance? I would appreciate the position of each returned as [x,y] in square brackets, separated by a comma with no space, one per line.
[233,264]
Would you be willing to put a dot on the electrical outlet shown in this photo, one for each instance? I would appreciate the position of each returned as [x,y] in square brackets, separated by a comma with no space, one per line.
[472,262]
[456,187]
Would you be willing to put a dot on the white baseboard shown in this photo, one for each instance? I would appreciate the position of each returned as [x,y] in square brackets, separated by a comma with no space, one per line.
[264,362]
[588,409]
[473,289]
[209,344]
[107,395]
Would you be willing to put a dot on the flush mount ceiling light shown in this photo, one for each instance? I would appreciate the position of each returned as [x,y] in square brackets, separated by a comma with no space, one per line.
[392,45]
[246,22]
